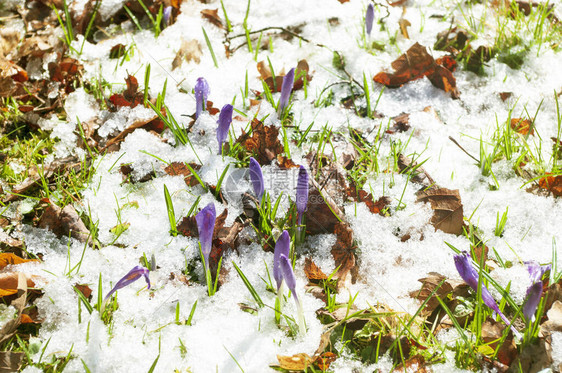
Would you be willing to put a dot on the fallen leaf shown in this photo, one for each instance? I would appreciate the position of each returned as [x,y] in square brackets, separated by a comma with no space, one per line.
[429,284]
[117,51]
[64,222]
[447,62]
[263,142]
[9,243]
[295,363]
[414,364]
[179,168]
[552,183]
[401,123]
[343,252]
[84,289]
[313,272]
[505,95]
[11,361]
[452,40]
[130,96]
[11,259]
[374,207]
[285,163]
[301,71]
[404,23]
[522,126]
[9,283]
[415,64]
[420,175]
[189,51]
[111,143]
[19,282]
[212,15]
[447,209]
[324,360]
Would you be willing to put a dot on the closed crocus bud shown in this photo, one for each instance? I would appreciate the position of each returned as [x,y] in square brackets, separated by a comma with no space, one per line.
[286,89]
[470,276]
[302,193]
[534,294]
[133,275]
[225,118]
[282,247]
[201,90]
[290,280]
[206,225]
[369,18]
[256,177]
[167,15]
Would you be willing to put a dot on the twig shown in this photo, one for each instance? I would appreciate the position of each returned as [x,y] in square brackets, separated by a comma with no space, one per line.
[467,153]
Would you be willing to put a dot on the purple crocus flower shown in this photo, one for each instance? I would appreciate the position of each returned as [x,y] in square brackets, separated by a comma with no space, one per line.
[256,176]
[470,276]
[302,193]
[206,225]
[369,18]
[167,15]
[225,118]
[133,275]
[286,89]
[282,248]
[201,90]
[534,291]
[289,277]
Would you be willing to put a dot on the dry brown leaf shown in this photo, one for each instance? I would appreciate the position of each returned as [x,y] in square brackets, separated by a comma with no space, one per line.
[64,222]
[21,283]
[130,96]
[313,272]
[212,15]
[324,360]
[522,126]
[401,123]
[295,363]
[9,283]
[179,168]
[404,23]
[190,50]
[111,144]
[263,142]
[447,209]
[11,259]
[84,289]
[414,364]
[343,252]
[552,183]
[11,361]
[8,242]
[415,64]
[285,163]
[301,71]
[429,284]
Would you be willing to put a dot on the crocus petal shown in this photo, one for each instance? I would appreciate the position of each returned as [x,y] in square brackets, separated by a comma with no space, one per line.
[536,271]
[256,176]
[286,89]
[206,225]
[282,247]
[166,15]
[470,276]
[534,294]
[369,17]
[225,118]
[133,275]
[302,190]
[288,274]
[201,90]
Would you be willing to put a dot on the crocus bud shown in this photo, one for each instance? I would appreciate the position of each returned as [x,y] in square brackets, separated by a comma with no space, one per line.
[289,277]
[167,15]
[206,225]
[470,276]
[286,89]
[369,18]
[133,275]
[302,193]
[225,118]
[256,176]
[534,291]
[282,247]
[201,90]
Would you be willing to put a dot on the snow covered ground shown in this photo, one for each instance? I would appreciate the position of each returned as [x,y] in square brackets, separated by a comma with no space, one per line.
[222,337]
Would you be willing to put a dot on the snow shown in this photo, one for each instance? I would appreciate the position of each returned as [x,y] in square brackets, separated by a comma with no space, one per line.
[222,335]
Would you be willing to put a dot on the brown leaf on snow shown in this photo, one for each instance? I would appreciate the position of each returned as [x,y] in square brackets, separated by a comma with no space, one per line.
[447,209]
[7,259]
[522,126]
[414,364]
[313,272]
[401,123]
[415,64]
[84,289]
[552,183]
[189,51]
[263,142]
[429,284]
[296,363]
[343,252]
[212,15]
[301,71]
[285,163]
[9,243]
[19,282]
[179,168]
[64,222]
[130,96]
[9,283]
